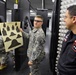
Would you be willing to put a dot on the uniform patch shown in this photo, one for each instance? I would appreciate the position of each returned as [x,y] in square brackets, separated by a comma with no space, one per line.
[74,46]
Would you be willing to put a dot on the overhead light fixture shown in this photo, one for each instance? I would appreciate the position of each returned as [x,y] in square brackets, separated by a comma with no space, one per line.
[4,0]
[53,0]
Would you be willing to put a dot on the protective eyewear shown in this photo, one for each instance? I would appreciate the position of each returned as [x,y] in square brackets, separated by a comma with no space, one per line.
[38,21]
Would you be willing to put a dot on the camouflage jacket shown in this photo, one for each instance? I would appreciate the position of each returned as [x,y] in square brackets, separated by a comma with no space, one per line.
[1,44]
[36,44]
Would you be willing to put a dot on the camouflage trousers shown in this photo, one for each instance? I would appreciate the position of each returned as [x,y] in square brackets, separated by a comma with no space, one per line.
[34,69]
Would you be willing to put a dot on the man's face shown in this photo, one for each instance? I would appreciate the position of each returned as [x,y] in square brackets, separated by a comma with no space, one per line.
[69,20]
[38,22]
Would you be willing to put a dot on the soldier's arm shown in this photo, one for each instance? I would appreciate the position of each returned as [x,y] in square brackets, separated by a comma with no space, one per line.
[24,33]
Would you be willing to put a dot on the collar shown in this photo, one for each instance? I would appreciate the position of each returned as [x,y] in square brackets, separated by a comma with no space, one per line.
[71,36]
[35,30]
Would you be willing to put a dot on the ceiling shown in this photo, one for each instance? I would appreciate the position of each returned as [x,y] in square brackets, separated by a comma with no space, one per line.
[47,4]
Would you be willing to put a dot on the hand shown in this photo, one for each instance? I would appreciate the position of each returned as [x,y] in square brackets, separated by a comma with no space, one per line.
[30,63]
[21,29]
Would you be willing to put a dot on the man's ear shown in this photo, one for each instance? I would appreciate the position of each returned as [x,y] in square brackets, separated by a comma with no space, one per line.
[74,19]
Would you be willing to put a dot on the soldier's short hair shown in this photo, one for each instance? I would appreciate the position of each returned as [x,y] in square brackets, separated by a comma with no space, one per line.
[39,16]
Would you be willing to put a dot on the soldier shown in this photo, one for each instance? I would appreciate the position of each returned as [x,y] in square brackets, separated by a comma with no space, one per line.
[3,55]
[35,50]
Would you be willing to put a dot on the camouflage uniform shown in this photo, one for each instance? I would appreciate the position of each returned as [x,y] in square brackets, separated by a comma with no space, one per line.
[3,55]
[35,50]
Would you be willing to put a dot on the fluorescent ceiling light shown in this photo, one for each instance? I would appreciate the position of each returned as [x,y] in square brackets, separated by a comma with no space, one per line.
[53,0]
